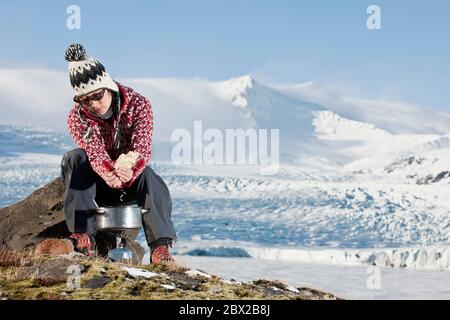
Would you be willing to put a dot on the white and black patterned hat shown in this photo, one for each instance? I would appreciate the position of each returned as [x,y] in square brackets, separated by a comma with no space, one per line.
[86,73]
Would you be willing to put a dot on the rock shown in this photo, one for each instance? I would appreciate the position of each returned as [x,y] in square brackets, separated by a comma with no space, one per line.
[441,175]
[97,282]
[38,217]
[54,247]
[402,163]
[216,290]
[58,270]
[425,180]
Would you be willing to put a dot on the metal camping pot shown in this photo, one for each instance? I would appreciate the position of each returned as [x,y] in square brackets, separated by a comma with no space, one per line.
[119,218]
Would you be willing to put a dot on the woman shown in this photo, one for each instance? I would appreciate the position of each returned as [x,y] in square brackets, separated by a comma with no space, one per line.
[110,119]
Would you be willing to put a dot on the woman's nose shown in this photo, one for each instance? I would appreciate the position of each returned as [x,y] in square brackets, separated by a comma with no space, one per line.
[95,104]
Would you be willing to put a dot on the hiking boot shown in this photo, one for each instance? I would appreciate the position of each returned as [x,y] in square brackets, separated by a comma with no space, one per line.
[160,250]
[160,254]
[83,243]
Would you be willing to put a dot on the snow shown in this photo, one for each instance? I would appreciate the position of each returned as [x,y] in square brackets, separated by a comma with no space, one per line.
[168,286]
[136,272]
[195,272]
[235,90]
[20,159]
[292,289]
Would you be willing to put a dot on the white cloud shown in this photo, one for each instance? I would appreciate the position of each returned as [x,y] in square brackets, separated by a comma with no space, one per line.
[34,96]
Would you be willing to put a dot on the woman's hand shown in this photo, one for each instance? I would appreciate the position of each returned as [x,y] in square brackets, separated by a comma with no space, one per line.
[113,181]
[124,174]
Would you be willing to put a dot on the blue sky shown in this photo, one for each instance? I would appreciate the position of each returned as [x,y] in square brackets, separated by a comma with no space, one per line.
[276,41]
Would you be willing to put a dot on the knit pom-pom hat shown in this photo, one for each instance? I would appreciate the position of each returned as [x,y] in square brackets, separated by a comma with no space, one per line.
[86,73]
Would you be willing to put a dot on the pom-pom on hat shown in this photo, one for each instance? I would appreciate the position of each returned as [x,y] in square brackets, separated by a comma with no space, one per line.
[86,73]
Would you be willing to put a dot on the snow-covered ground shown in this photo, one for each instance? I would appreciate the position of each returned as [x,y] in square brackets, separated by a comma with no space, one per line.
[344,281]
[360,183]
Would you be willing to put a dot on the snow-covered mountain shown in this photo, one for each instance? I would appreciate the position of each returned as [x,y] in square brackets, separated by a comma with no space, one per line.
[364,136]
[319,128]
[324,134]
[394,117]
[355,174]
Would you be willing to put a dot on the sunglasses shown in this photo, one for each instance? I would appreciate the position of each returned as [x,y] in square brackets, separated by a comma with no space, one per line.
[94,97]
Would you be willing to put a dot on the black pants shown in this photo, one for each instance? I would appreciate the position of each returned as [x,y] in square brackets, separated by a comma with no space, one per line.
[86,190]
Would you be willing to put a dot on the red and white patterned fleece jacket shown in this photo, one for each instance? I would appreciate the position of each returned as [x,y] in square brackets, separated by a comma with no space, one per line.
[136,126]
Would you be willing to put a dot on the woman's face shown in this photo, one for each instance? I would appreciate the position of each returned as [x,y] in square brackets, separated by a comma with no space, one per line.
[97,107]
